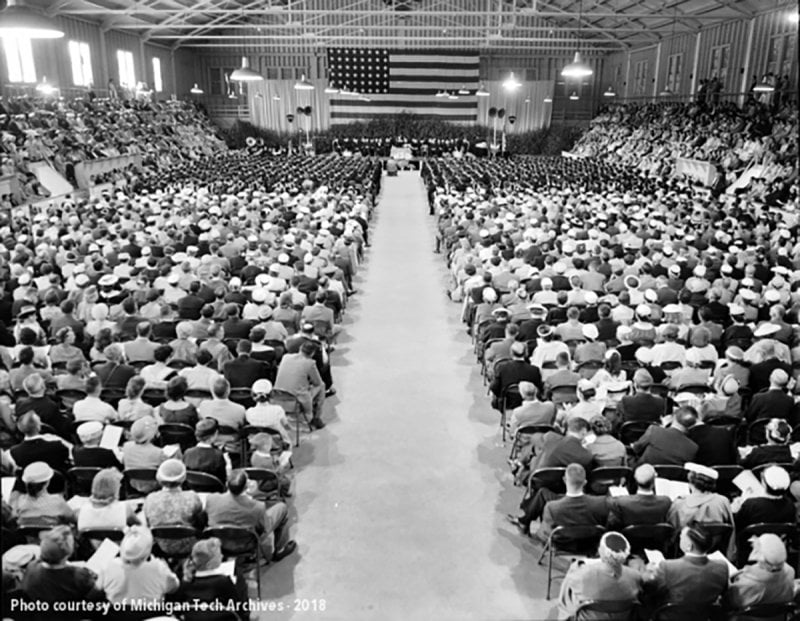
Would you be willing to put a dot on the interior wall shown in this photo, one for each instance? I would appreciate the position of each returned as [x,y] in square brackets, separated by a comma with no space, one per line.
[733,51]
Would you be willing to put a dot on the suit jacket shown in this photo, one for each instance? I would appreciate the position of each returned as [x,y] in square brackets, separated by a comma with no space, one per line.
[765,509]
[580,510]
[52,452]
[715,445]
[771,404]
[755,585]
[140,349]
[664,445]
[95,457]
[641,406]
[560,451]
[514,372]
[236,328]
[243,371]
[297,374]
[760,372]
[692,580]
[114,375]
[206,459]
[638,509]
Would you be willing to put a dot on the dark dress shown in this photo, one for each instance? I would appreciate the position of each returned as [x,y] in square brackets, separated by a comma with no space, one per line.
[216,588]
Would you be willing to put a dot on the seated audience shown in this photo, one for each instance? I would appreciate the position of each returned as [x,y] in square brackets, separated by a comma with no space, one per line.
[643,507]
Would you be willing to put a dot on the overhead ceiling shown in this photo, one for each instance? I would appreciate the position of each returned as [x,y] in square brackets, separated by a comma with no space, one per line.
[601,25]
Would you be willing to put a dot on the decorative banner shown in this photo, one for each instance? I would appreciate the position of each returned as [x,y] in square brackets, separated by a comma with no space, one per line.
[702,171]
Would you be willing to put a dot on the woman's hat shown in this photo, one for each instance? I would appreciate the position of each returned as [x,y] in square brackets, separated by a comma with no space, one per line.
[171,471]
[136,545]
[143,430]
[105,485]
[262,387]
[37,472]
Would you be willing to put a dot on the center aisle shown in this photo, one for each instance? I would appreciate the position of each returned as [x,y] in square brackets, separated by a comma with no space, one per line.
[397,499]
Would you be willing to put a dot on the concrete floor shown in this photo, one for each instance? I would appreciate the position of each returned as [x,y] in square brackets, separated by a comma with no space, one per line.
[401,500]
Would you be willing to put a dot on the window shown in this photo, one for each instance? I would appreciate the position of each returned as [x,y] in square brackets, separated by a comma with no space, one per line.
[674,68]
[719,63]
[80,59]
[218,80]
[640,77]
[127,74]
[781,55]
[19,59]
[158,83]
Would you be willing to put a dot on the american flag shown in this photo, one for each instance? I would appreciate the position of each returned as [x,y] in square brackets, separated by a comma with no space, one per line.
[402,81]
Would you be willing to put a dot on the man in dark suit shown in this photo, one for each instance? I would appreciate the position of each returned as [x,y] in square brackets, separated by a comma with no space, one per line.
[692,580]
[90,454]
[643,507]
[643,405]
[557,452]
[528,328]
[205,457]
[114,373]
[36,448]
[235,327]
[513,372]
[243,371]
[761,371]
[668,445]
[773,402]
[716,445]
[574,509]
[189,305]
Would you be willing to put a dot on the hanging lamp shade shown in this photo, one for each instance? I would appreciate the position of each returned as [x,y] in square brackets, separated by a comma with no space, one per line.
[577,68]
[609,92]
[764,86]
[511,83]
[303,85]
[441,94]
[331,89]
[463,90]
[45,88]
[23,22]
[482,92]
[196,90]
[452,95]
[245,74]
[548,100]
[573,96]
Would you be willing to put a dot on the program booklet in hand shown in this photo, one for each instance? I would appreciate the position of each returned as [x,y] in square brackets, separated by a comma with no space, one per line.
[111,437]
[105,553]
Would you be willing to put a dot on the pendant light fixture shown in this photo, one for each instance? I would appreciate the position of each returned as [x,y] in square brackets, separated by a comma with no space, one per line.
[609,92]
[463,90]
[547,99]
[441,94]
[45,88]
[577,69]
[303,84]
[574,96]
[245,74]
[22,22]
[764,86]
[452,95]
[511,83]
[196,90]
[331,89]
[482,92]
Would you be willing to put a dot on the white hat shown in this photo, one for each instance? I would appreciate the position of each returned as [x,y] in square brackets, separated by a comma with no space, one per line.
[262,387]
[702,470]
[735,309]
[283,258]
[259,295]
[776,478]
[590,331]
[772,296]
[766,329]
[643,310]
[89,430]
[108,280]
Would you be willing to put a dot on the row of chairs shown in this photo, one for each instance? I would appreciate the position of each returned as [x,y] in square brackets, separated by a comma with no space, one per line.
[238,543]
[610,610]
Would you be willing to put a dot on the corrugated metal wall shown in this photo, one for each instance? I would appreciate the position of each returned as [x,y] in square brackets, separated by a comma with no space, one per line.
[725,46]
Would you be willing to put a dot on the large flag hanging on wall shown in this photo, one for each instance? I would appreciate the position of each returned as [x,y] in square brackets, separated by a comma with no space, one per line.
[402,81]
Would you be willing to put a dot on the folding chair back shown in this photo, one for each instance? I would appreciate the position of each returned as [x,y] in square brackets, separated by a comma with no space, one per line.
[768,612]
[720,534]
[650,537]
[607,610]
[80,480]
[573,541]
[757,432]
[671,471]
[203,482]
[600,479]
[682,612]
[242,396]
[177,433]
[632,430]
[725,484]
[291,405]
[145,477]
[238,542]
[550,478]
[786,531]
